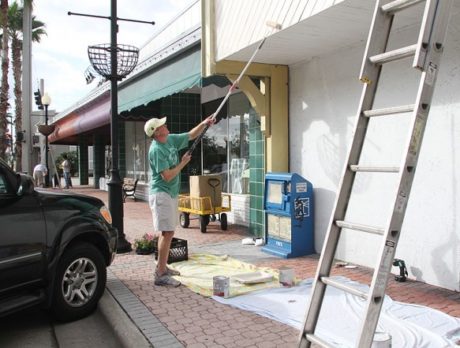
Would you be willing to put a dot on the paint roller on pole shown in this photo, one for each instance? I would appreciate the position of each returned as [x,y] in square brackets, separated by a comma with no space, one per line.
[274,26]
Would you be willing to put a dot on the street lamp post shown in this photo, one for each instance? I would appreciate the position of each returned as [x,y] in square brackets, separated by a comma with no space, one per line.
[114,184]
[46,101]
[107,66]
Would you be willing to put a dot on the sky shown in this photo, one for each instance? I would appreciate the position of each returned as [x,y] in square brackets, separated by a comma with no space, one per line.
[61,57]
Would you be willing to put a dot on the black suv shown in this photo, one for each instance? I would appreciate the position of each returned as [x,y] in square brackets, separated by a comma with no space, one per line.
[54,248]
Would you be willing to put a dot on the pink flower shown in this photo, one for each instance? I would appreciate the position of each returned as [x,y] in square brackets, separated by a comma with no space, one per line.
[145,242]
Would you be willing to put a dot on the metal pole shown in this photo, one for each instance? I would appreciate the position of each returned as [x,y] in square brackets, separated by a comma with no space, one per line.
[27,149]
[47,176]
[114,185]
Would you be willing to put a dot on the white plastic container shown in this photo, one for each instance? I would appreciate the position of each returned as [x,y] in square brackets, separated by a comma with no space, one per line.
[286,276]
[221,286]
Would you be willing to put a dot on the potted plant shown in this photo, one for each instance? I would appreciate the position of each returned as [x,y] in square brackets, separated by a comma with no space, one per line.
[145,244]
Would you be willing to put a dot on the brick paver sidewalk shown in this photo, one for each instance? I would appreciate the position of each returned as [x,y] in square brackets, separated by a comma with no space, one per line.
[183,318]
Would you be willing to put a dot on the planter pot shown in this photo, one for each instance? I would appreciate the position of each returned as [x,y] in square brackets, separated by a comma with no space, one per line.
[46,129]
[145,251]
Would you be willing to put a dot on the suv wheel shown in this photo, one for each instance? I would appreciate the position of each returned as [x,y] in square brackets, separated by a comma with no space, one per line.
[80,281]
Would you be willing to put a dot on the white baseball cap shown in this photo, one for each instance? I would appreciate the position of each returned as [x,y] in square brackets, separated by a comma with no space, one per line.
[151,125]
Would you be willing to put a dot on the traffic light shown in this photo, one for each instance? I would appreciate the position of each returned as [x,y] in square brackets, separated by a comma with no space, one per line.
[38,99]
[19,136]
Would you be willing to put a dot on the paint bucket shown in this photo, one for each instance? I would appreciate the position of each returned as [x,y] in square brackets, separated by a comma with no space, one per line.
[286,276]
[221,286]
[381,340]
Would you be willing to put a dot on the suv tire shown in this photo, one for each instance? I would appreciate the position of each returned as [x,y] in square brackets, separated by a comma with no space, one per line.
[80,281]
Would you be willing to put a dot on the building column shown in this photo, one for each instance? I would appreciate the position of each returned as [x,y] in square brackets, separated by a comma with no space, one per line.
[277,123]
[99,159]
[270,100]
[83,160]
[268,135]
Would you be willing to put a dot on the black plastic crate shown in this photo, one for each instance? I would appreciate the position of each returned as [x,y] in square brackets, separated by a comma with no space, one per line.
[177,252]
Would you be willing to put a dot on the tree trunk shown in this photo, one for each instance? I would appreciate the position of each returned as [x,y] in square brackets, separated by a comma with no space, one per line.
[16,46]
[5,86]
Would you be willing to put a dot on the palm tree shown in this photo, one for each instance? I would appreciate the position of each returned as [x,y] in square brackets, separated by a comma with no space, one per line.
[15,15]
[5,87]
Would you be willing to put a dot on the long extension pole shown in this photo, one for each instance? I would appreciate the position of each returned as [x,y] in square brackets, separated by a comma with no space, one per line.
[273,25]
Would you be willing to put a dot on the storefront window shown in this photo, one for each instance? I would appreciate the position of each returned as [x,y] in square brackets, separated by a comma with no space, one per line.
[137,146]
[226,144]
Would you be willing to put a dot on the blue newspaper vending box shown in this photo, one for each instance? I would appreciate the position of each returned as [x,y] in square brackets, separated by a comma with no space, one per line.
[288,204]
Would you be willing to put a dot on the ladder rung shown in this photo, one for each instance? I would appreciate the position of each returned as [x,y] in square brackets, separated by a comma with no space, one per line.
[399,5]
[344,287]
[358,168]
[315,339]
[389,111]
[390,56]
[359,227]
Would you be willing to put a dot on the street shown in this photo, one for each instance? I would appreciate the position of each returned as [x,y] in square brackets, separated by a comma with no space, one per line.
[34,328]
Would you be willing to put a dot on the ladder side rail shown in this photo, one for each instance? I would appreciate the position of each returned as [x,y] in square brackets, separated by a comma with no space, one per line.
[319,288]
[391,236]
[380,24]
[440,25]
[426,30]
[408,163]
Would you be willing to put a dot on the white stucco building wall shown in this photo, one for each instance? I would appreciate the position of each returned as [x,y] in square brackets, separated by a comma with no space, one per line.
[324,98]
[322,43]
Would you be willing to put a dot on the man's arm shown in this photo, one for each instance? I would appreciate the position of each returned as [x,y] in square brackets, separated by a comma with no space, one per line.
[169,174]
[196,131]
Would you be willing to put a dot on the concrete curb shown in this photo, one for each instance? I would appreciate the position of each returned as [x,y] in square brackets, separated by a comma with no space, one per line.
[153,330]
[126,332]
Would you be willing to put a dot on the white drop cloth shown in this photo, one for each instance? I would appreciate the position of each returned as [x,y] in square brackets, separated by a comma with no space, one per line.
[410,326]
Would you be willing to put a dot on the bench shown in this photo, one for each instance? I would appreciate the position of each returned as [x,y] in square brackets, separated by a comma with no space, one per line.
[129,188]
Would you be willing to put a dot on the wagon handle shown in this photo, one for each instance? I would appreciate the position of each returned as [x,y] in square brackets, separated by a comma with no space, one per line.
[214,182]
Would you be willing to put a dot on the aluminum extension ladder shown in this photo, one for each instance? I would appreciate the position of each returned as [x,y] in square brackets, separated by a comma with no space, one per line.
[427,54]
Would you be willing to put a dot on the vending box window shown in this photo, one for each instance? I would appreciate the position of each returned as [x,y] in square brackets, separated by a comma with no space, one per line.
[288,205]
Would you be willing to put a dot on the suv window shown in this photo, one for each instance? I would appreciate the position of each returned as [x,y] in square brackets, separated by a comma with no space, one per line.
[3,184]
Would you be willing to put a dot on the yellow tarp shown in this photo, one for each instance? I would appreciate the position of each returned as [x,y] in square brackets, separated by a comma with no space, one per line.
[198,271]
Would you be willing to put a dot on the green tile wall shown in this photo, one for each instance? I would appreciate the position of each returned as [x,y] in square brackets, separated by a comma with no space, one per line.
[256,176]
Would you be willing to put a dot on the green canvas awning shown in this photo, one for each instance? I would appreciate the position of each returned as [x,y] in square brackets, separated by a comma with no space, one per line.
[182,72]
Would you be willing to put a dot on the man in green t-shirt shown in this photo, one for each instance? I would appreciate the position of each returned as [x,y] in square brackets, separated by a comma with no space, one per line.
[165,184]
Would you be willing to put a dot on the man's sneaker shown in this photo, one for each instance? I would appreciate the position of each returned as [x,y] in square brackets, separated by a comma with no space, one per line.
[166,280]
[172,272]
